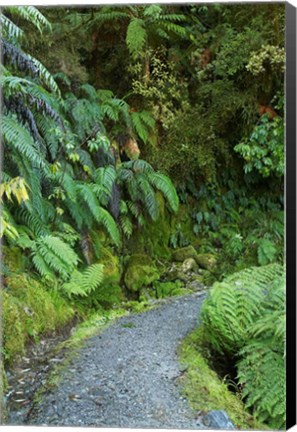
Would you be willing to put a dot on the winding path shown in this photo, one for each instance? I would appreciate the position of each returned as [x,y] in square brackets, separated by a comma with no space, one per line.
[125,376]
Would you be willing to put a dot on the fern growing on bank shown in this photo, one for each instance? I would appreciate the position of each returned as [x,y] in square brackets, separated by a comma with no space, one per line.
[244,316]
[51,256]
[234,304]
[261,370]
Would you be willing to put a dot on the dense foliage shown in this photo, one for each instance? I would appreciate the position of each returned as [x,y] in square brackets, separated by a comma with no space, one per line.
[132,131]
[244,316]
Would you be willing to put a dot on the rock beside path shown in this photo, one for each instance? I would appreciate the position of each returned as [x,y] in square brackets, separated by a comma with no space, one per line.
[126,376]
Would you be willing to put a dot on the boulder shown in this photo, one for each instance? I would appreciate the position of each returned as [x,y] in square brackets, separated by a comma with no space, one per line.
[189,265]
[217,419]
[184,253]
[140,272]
[206,261]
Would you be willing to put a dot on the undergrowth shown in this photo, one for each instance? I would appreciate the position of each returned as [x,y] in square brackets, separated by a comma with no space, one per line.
[203,387]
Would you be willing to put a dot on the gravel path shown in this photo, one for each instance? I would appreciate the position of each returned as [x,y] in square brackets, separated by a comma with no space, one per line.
[125,377]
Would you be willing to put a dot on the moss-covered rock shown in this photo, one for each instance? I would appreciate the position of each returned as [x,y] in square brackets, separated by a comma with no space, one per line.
[207,261]
[189,265]
[140,272]
[175,273]
[184,253]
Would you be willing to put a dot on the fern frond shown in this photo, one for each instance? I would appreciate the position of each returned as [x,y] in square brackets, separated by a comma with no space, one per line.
[164,184]
[170,27]
[123,207]
[138,165]
[140,126]
[136,36]
[105,218]
[262,373]
[105,178]
[90,91]
[51,254]
[84,283]
[126,225]
[31,14]
[33,222]
[147,196]
[105,16]
[10,30]
[174,17]
[45,76]
[18,137]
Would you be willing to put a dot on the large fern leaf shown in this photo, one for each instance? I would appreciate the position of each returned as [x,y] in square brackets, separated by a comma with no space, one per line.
[164,184]
[136,36]
[18,137]
[10,30]
[31,14]
[51,255]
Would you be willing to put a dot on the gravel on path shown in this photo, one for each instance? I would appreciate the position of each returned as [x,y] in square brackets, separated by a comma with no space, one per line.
[126,376]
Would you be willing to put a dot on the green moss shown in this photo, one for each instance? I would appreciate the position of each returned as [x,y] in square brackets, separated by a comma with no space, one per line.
[12,327]
[184,253]
[14,259]
[112,267]
[205,390]
[3,390]
[138,306]
[169,289]
[29,310]
[140,272]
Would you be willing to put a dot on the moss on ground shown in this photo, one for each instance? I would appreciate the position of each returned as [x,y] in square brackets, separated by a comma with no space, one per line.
[205,390]
[170,289]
